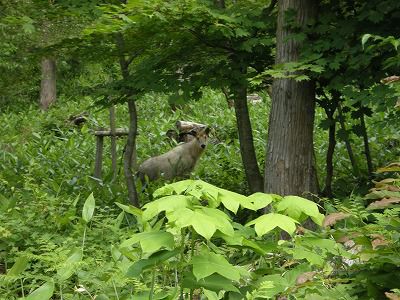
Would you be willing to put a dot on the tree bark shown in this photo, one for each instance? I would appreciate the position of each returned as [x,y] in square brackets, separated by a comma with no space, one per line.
[289,155]
[247,151]
[356,170]
[329,153]
[239,90]
[129,153]
[366,146]
[130,147]
[48,83]
[98,165]
[113,142]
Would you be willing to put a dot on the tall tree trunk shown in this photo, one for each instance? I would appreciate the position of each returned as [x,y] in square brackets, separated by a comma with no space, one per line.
[329,153]
[48,83]
[247,151]
[129,152]
[239,90]
[356,170]
[289,155]
[130,147]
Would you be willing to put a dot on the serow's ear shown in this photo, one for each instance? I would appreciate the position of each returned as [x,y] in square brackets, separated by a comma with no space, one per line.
[207,130]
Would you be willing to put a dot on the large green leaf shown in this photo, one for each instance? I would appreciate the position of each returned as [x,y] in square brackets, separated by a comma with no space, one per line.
[210,295]
[311,256]
[208,263]
[203,190]
[175,188]
[221,220]
[229,199]
[239,241]
[88,208]
[214,282]
[299,209]
[151,242]
[139,266]
[205,221]
[45,292]
[68,267]
[19,266]
[167,203]
[266,223]
[137,212]
[260,200]
[257,247]
[201,223]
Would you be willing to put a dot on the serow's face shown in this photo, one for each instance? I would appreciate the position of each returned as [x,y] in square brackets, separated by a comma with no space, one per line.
[202,137]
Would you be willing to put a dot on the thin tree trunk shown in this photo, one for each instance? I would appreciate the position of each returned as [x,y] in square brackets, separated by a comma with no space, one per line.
[48,83]
[248,153]
[129,152]
[329,153]
[252,171]
[113,142]
[289,166]
[366,146]
[130,148]
[356,171]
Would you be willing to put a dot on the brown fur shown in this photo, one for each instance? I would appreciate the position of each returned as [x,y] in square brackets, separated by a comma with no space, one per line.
[178,162]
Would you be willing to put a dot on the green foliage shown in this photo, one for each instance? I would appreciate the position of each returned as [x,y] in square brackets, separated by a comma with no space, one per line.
[46,181]
[186,219]
[266,223]
[88,208]
[44,292]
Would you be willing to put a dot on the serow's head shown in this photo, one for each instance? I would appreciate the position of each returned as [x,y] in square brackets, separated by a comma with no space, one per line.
[202,136]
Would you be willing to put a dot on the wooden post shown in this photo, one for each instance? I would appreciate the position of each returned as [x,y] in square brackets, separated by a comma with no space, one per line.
[99,156]
[100,134]
[113,142]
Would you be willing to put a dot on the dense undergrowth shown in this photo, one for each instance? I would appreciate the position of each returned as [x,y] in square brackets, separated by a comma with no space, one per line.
[53,244]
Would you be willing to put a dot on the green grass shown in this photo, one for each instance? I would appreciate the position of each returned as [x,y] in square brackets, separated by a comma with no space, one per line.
[46,174]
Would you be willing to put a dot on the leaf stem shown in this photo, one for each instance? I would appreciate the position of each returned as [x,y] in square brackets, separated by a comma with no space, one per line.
[83,240]
[181,261]
[115,289]
[153,279]
[192,245]
[22,288]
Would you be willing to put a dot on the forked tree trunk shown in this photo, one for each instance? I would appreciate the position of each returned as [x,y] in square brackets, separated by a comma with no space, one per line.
[289,155]
[48,83]
[247,151]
